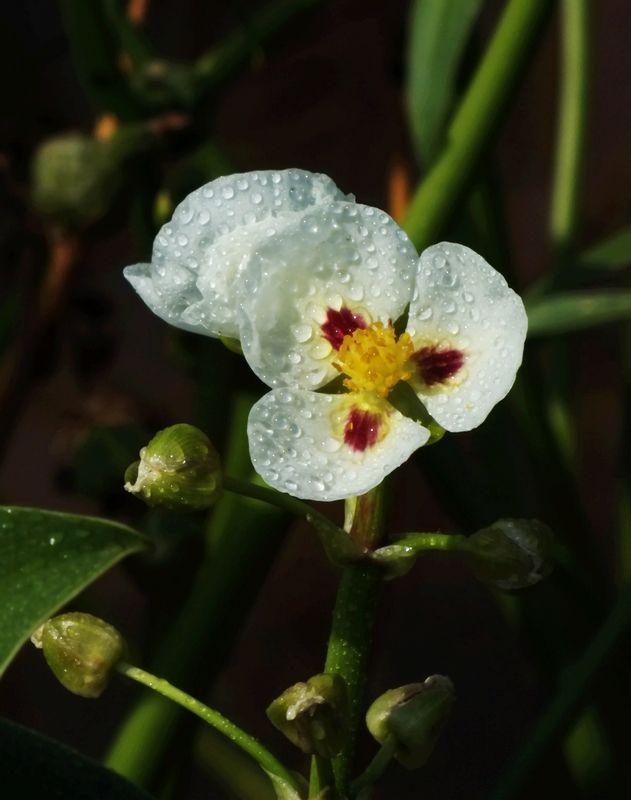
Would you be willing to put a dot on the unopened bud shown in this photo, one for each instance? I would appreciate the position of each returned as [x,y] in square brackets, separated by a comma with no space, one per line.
[179,470]
[81,650]
[313,715]
[413,717]
[74,179]
[511,553]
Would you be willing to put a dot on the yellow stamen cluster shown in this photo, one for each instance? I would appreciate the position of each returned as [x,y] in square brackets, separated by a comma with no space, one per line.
[374,360]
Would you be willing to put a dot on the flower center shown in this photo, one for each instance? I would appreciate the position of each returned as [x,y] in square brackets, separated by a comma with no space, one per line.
[374,360]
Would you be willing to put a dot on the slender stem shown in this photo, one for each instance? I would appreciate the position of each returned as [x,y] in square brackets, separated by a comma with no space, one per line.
[340,547]
[284,501]
[572,125]
[418,542]
[242,540]
[247,743]
[322,776]
[376,768]
[576,683]
[351,628]
[476,121]
[348,651]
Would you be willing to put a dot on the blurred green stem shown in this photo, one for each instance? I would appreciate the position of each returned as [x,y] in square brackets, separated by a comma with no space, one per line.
[566,198]
[351,628]
[242,540]
[576,683]
[243,740]
[476,120]
[572,127]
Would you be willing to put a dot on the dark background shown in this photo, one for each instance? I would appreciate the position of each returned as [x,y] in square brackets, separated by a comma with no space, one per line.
[327,96]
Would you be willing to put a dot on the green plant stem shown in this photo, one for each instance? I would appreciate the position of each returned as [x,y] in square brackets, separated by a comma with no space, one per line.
[284,501]
[376,768]
[322,776]
[419,542]
[560,713]
[243,538]
[351,628]
[476,120]
[572,126]
[339,546]
[247,743]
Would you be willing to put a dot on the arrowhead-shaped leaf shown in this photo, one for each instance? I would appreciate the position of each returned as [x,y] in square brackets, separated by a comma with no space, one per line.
[46,558]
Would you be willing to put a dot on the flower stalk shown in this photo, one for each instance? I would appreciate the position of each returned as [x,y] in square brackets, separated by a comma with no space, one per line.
[351,628]
[243,740]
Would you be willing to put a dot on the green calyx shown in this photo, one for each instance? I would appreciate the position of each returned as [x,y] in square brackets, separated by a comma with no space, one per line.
[81,650]
[313,715]
[412,716]
[179,470]
[511,553]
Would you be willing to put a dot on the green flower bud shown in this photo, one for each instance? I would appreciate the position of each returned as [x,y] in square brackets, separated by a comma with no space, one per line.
[313,715]
[413,716]
[81,650]
[511,553]
[74,179]
[178,470]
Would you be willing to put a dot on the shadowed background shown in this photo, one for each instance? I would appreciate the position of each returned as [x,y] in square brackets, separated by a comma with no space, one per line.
[325,95]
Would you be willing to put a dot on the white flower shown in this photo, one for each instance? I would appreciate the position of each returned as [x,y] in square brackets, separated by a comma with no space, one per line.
[311,283]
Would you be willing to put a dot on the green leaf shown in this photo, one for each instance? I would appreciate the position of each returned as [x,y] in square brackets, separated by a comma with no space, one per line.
[46,559]
[439,32]
[610,254]
[572,311]
[95,53]
[32,765]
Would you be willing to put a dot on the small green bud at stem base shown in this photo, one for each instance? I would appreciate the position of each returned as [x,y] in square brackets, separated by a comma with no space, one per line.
[313,715]
[81,650]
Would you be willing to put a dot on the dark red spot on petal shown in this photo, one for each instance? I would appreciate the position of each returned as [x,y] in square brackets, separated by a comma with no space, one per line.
[362,429]
[339,324]
[436,365]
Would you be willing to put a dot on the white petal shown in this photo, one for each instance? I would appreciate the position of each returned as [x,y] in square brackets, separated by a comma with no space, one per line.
[192,278]
[460,301]
[340,255]
[297,444]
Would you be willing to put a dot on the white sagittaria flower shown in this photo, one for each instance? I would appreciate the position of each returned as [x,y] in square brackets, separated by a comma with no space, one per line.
[311,283]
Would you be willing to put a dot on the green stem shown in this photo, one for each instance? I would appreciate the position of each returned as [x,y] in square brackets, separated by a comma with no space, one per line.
[242,541]
[418,542]
[476,120]
[284,501]
[572,126]
[247,743]
[321,776]
[376,768]
[340,547]
[351,628]
[576,683]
